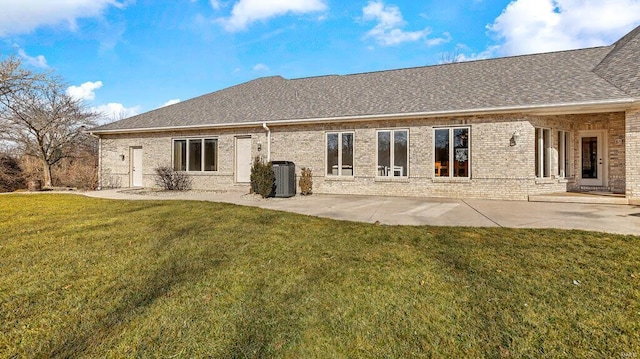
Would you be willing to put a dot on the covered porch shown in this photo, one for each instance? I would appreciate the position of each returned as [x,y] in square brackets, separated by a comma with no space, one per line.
[596,155]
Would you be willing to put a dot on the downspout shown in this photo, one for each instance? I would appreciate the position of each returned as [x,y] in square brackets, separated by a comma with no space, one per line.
[264,125]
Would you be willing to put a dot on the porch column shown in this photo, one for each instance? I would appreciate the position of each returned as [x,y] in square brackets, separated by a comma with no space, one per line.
[632,156]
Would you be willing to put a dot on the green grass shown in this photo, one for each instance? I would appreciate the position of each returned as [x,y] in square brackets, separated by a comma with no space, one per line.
[83,277]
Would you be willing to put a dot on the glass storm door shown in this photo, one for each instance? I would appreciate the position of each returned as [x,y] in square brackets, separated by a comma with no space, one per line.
[591,159]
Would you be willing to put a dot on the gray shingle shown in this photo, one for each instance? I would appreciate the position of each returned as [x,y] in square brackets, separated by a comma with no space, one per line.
[621,66]
[557,78]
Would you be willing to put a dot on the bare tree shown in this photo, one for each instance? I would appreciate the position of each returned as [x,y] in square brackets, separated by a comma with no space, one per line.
[14,78]
[38,116]
[450,57]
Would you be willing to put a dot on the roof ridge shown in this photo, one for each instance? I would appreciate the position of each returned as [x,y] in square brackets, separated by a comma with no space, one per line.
[619,54]
[541,79]
[618,45]
[451,64]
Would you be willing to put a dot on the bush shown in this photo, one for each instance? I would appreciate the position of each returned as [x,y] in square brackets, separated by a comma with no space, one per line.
[263,179]
[31,168]
[306,182]
[109,180]
[171,180]
[80,173]
[11,176]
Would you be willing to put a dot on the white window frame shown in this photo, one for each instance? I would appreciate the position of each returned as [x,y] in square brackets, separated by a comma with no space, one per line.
[202,143]
[326,153]
[452,152]
[544,147]
[565,151]
[392,131]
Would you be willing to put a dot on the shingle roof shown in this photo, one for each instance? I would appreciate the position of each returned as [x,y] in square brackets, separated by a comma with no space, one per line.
[621,66]
[557,78]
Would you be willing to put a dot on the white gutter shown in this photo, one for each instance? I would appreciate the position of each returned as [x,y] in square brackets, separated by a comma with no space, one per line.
[264,125]
[549,109]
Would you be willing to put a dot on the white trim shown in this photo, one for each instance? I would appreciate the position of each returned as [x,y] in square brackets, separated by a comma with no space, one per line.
[132,162]
[236,162]
[264,125]
[451,174]
[543,166]
[202,156]
[545,109]
[565,154]
[326,154]
[603,152]
[403,174]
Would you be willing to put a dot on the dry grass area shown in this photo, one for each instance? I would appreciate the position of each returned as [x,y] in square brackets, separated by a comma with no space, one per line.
[83,277]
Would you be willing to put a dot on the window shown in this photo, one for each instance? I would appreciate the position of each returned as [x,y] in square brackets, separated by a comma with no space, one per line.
[564,154]
[451,149]
[195,154]
[393,153]
[543,152]
[180,155]
[340,153]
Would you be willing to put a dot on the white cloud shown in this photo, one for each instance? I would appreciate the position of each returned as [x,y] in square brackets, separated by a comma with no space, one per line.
[37,61]
[86,91]
[531,26]
[215,4]
[107,113]
[170,102]
[490,52]
[446,37]
[388,31]
[261,68]
[115,111]
[24,16]
[246,12]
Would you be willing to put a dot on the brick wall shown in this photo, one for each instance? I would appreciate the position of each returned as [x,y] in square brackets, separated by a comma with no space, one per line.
[497,169]
[614,126]
[632,144]
[157,151]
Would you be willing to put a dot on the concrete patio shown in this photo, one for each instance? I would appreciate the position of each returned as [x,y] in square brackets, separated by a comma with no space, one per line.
[623,219]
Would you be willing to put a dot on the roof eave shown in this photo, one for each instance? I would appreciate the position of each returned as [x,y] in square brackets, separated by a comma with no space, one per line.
[550,109]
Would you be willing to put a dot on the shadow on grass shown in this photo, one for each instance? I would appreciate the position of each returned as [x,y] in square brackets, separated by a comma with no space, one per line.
[139,296]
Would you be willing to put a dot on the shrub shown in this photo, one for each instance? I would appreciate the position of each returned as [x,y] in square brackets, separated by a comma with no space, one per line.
[171,180]
[11,176]
[109,180]
[263,179]
[306,181]
[76,172]
[31,168]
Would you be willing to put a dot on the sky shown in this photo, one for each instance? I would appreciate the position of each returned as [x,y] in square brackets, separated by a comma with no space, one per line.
[125,57]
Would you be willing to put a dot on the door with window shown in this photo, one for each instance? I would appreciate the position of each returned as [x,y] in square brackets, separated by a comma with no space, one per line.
[592,158]
[243,159]
[136,167]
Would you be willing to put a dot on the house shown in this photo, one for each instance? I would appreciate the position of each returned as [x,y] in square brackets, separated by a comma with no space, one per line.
[504,128]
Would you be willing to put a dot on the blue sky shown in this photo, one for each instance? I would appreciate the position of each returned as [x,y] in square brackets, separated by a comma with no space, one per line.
[125,57]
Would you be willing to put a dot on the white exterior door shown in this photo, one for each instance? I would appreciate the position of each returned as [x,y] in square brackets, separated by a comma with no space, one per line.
[136,167]
[243,159]
[593,158]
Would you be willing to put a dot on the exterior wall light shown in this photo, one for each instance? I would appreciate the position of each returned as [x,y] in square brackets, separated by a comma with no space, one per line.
[259,146]
[121,157]
[514,138]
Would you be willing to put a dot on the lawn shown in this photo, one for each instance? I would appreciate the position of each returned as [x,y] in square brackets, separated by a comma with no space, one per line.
[82,277]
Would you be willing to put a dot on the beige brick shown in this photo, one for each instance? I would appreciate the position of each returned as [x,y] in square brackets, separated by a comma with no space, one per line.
[498,170]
